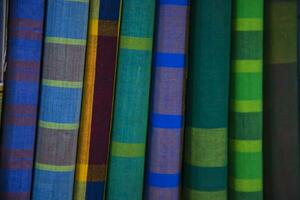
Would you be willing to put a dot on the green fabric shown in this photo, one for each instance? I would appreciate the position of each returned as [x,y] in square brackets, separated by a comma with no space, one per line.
[205,157]
[127,155]
[245,149]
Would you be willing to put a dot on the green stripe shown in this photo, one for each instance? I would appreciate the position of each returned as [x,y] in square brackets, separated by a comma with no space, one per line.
[67,41]
[248,45]
[127,150]
[207,147]
[62,84]
[79,190]
[248,86]
[211,195]
[249,164]
[247,66]
[248,24]
[246,145]
[247,126]
[58,126]
[245,106]
[136,43]
[54,168]
[248,9]
[249,185]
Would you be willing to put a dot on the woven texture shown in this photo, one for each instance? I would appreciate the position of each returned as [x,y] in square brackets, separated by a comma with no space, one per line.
[166,115]
[97,99]
[245,143]
[21,98]
[60,103]
[205,151]
[127,155]
[3,34]
[281,116]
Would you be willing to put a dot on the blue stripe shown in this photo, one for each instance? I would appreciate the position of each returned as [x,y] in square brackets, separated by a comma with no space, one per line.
[169,60]
[163,180]
[166,121]
[94,190]
[18,137]
[29,9]
[109,10]
[174,2]
[60,105]
[23,177]
[21,92]
[24,49]
[52,185]
[74,16]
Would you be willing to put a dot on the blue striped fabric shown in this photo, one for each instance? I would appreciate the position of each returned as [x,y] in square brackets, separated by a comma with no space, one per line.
[60,103]
[21,98]
[166,119]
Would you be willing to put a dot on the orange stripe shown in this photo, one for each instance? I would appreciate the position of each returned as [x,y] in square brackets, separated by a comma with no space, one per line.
[108,28]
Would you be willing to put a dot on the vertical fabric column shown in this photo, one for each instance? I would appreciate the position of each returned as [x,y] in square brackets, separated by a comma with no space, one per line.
[21,98]
[3,37]
[281,103]
[245,143]
[127,155]
[205,151]
[97,99]
[60,103]
[166,123]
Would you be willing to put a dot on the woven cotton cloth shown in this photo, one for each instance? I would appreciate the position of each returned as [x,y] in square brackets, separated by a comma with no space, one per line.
[21,98]
[166,116]
[60,102]
[3,37]
[245,144]
[127,154]
[97,99]
[281,103]
[205,150]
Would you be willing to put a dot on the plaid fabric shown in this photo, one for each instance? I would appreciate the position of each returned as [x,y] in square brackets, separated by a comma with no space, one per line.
[205,153]
[97,99]
[21,98]
[166,123]
[60,103]
[281,115]
[245,154]
[127,155]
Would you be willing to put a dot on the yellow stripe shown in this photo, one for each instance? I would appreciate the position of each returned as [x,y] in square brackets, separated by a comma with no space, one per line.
[246,146]
[247,66]
[58,126]
[248,24]
[136,43]
[93,27]
[108,28]
[245,106]
[54,168]
[210,156]
[127,150]
[62,84]
[59,40]
[246,185]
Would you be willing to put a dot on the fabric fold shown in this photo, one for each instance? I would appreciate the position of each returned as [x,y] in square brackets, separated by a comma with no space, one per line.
[60,101]
[21,98]
[97,102]
[127,154]
[281,101]
[206,132]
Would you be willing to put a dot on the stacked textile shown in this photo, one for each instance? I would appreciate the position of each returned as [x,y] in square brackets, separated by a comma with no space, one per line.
[60,101]
[205,150]
[163,176]
[281,102]
[21,98]
[127,154]
[97,103]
